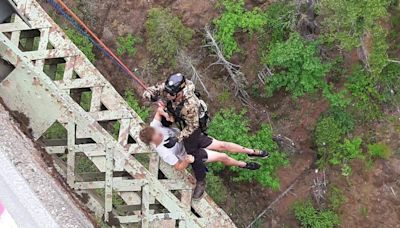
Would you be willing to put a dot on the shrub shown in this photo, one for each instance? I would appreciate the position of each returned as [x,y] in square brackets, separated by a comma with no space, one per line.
[310,217]
[330,148]
[336,198]
[234,18]
[142,111]
[328,135]
[378,57]
[127,45]
[336,99]
[356,17]
[166,35]
[343,119]
[365,97]
[297,67]
[349,150]
[82,43]
[280,20]
[389,88]
[228,125]
[379,150]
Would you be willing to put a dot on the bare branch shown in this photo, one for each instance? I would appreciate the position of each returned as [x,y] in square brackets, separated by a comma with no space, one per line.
[394,61]
[319,188]
[265,72]
[189,66]
[233,70]
[363,52]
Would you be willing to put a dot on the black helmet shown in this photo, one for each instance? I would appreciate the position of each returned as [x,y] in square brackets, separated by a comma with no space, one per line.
[175,83]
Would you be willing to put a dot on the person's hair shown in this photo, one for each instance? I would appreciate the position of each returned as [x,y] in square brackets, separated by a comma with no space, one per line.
[146,134]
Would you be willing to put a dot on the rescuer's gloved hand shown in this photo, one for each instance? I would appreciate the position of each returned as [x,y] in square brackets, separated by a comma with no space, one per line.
[150,94]
[171,141]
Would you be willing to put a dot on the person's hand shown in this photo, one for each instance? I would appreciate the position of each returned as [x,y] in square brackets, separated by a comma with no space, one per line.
[189,158]
[171,141]
[150,94]
[170,118]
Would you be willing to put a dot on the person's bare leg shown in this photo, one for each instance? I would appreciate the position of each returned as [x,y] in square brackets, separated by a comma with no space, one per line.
[225,159]
[228,161]
[230,147]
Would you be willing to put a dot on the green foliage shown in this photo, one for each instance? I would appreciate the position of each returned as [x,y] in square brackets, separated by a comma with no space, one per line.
[82,43]
[85,100]
[328,135]
[389,86]
[365,97]
[56,131]
[378,57]
[356,17]
[142,111]
[338,99]
[127,45]
[230,126]
[331,149]
[297,65]
[166,35]
[310,217]
[379,150]
[225,96]
[216,188]
[280,21]
[349,150]
[336,198]
[234,18]
[343,119]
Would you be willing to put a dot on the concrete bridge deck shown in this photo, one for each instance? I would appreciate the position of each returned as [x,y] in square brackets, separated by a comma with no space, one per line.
[28,191]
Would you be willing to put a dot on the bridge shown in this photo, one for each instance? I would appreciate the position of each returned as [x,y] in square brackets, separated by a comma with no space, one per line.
[42,78]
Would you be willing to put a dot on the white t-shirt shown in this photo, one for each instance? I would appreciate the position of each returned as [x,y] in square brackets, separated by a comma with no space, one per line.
[171,155]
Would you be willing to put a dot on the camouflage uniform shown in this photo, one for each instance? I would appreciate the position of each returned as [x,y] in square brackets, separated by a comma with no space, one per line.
[191,110]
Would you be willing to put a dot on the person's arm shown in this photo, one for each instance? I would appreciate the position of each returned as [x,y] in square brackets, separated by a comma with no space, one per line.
[152,91]
[182,165]
[190,114]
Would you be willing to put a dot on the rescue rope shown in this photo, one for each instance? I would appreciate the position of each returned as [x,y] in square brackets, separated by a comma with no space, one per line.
[84,30]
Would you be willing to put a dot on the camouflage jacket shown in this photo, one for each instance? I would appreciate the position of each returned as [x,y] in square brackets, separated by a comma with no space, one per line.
[190,112]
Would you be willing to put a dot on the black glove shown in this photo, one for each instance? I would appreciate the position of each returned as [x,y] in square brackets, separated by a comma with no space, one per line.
[171,141]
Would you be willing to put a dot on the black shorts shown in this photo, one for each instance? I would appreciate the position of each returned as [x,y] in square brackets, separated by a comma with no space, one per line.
[195,144]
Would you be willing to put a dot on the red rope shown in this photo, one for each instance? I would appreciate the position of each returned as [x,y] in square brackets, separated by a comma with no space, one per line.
[101,43]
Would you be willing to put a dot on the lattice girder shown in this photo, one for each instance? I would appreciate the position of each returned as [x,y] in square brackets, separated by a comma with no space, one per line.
[38,89]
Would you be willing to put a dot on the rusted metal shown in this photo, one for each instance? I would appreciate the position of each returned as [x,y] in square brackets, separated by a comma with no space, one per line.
[47,97]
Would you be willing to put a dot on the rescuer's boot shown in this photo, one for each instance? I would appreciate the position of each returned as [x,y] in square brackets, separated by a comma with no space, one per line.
[260,154]
[199,190]
[252,166]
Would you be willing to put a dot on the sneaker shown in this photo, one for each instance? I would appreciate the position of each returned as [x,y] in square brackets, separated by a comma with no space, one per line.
[252,166]
[259,153]
[199,190]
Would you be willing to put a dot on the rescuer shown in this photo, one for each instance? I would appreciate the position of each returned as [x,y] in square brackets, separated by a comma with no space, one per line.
[189,113]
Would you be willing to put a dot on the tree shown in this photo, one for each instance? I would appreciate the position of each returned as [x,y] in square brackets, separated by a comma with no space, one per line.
[166,35]
[347,20]
[296,66]
[234,18]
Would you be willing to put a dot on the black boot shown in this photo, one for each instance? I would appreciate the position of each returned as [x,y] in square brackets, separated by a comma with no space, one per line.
[260,154]
[199,190]
[252,166]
